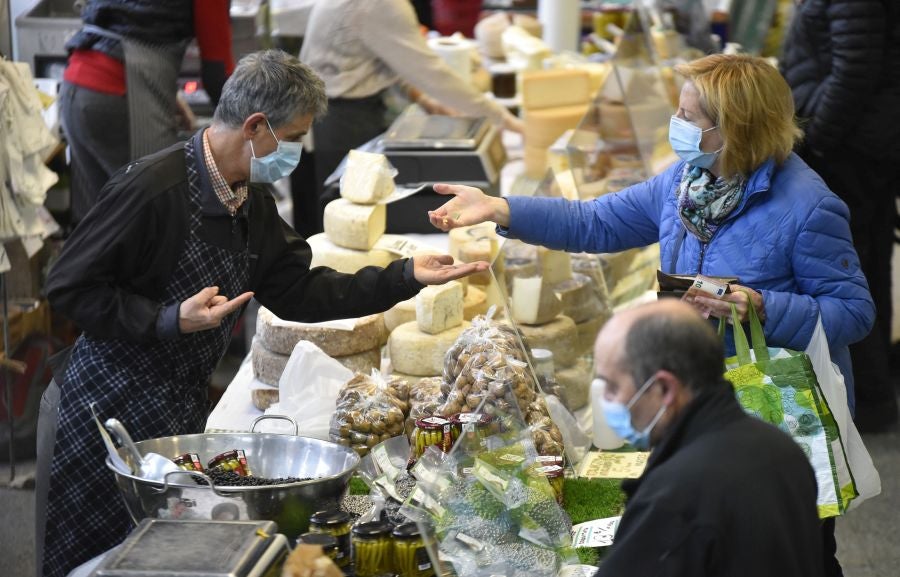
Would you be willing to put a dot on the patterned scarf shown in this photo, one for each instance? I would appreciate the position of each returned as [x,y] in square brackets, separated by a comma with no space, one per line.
[705,201]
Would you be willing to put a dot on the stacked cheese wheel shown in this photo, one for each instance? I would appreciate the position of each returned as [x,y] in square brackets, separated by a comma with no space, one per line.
[355,222]
[359,349]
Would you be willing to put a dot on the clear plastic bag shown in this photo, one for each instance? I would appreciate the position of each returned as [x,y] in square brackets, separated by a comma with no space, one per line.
[370,410]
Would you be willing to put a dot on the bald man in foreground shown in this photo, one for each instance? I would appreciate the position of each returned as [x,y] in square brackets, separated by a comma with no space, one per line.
[723,493]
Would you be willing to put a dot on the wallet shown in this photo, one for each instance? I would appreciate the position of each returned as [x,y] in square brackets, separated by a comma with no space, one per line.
[675,285]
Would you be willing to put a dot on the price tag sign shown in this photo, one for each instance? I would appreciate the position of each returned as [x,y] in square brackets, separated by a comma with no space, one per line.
[606,465]
[598,533]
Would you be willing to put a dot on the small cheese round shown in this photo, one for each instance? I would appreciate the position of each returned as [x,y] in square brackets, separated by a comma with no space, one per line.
[559,336]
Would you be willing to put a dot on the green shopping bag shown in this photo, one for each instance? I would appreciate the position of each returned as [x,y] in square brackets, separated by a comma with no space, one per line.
[780,387]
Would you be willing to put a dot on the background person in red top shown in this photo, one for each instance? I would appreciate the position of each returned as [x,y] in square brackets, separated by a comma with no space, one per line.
[118,98]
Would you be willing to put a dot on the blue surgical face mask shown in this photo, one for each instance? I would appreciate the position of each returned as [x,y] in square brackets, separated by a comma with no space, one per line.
[685,137]
[618,418]
[276,165]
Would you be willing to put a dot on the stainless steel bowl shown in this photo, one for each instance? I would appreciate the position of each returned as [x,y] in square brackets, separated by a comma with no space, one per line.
[290,505]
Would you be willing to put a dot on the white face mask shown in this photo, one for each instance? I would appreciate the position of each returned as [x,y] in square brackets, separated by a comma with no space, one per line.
[276,165]
[685,137]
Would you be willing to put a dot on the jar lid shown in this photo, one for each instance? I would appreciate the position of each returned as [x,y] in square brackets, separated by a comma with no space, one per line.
[325,540]
[330,517]
[480,419]
[406,531]
[371,529]
[431,423]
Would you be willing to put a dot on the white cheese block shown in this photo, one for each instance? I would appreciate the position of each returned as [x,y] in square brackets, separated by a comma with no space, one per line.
[402,312]
[413,352]
[554,88]
[352,225]
[556,265]
[533,301]
[346,260]
[543,126]
[576,382]
[368,178]
[587,333]
[579,298]
[280,336]
[559,336]
[268,366]
[439,307]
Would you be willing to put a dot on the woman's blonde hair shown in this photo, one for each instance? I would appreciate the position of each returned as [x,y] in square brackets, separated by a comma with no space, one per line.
[751,104]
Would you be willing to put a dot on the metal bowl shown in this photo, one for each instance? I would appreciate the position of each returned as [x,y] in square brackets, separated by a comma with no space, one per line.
[269,455]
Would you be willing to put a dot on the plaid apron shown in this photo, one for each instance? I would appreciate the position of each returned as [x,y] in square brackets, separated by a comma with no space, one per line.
[156,389]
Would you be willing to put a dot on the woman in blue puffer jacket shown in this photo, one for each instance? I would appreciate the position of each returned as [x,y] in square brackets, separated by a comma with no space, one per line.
[739,204]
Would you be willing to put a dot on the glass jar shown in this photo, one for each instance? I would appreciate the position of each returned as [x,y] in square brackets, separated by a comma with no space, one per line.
[410,556]
[337,524]
[326,541]
[371,549]
[556,477]
[189,462]
[234,461]
[479,424]
[432,431]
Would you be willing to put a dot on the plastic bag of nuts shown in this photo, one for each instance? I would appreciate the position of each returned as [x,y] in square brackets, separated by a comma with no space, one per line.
[544,432]
[424,399]
[486,341]
[370,409]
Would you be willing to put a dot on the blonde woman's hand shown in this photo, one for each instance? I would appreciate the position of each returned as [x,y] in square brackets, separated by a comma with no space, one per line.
[742,297]
[468,206]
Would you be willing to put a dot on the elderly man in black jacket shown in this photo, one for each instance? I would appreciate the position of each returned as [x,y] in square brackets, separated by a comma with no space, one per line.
[842,61]
[723,493]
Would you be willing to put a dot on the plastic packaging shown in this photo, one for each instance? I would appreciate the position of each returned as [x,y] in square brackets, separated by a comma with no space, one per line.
[370,409]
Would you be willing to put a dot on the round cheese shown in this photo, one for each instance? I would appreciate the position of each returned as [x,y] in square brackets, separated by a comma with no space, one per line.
[587,333]
[346,260]
[402,312]
[280,336]
[559,336]
[576,381]
[263,398]
[413,352]
[268,365]
[579,298]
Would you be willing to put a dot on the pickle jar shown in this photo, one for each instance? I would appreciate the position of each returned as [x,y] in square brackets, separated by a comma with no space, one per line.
[432,431]
[189,462]
[337,524]
[556,477]
[371,549]
[234,461]
[410,556]
[479,424]
[327,542]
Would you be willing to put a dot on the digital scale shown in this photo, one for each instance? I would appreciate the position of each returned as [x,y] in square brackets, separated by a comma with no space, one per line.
[426,149]
[168,548]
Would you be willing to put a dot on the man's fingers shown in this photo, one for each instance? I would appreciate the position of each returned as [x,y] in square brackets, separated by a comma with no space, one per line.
[217,300]
[206,294]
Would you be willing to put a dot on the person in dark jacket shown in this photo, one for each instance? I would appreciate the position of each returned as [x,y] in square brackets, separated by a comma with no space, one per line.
[842,61]
[118,98]
[723,493]
[156,276]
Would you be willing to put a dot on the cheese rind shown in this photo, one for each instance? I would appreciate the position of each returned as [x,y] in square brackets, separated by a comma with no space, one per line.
[351,225]
[576,381]
[346,260]
[268,366]
[280,336]
[413,352]
[533,301]
[579,298]
[559,336]
[555,88]
[263,398]
[439,307]
[368,178]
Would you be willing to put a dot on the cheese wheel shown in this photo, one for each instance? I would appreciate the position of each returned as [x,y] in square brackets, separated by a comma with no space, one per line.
[556,265]
[346,260]
[264,398]
[576,382]
[544,126]
[268,366]
[280,336]
[413,352]
[533,301]
[559,336]
[368,177]
[555,88]
[587,333]
[402,312]
[475,303]
[579,298]
[351,225]
[464,234]
[478,250]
